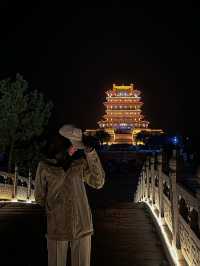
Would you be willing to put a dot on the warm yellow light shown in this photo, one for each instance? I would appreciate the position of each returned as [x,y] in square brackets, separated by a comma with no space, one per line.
[172,250]
[18,201]
[140,142]
[14,200]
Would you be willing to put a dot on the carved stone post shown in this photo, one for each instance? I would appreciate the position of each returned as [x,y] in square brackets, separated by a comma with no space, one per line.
[152,167]
[144,185]
[141,184]
[15,183]
[29,185]
[160,187]
[147,177]
[174,204]
[141,187]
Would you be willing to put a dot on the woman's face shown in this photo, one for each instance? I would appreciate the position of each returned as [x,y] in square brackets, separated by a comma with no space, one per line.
[71,150]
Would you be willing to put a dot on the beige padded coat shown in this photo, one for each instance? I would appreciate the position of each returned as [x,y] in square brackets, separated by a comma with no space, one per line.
[64,196]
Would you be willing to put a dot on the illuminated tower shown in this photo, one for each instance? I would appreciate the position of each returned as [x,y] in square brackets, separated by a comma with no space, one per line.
[123,111]
[123,119]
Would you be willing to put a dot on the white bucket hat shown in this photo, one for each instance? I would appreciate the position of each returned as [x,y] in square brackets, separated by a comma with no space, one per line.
[73,134]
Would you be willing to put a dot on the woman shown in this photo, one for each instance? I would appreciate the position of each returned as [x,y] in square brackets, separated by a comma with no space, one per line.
[59,187]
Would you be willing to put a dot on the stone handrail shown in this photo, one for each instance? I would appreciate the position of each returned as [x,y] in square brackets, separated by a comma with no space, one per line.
[190,244]
[190,199]
[176,209]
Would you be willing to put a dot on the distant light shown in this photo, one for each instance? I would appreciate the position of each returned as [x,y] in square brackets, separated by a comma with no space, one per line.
[175,140]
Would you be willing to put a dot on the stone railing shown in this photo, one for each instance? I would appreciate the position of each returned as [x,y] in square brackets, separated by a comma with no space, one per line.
[14,187]
[176,209]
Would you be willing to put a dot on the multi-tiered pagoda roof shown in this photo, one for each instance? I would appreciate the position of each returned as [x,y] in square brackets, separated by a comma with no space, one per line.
[123,109]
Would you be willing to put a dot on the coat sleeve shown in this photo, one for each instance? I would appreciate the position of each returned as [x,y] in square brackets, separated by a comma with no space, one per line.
[40,185]
[93,173]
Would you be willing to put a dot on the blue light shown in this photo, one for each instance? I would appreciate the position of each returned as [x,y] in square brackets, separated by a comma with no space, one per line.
[175,140]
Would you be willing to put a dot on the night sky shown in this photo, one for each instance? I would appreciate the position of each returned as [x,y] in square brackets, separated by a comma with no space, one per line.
[74,54]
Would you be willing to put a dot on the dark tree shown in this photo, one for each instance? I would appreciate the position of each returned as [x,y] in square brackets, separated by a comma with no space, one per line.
[24,114]
[103,136]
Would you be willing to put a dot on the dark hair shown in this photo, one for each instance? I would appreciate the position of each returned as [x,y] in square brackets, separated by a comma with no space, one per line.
[57,145]
[56,148]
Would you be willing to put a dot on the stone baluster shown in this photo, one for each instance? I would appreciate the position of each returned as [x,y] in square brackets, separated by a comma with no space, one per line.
[139,187]
[140,184]
[143,182]
[148,181]
[152,169]
[15,183]
[174,205]
[29,185]
[138,191]
[160,187]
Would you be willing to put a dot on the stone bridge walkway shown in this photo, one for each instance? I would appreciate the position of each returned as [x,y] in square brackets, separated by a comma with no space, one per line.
[125,236]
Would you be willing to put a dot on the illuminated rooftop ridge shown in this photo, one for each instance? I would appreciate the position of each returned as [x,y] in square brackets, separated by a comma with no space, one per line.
[123,87]
[123,91]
